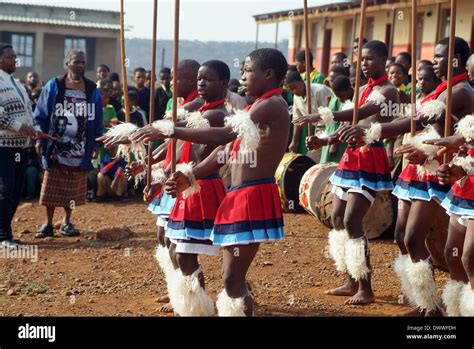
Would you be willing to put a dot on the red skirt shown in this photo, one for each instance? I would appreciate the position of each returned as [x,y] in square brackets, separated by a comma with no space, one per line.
[366,166]
[194,216]
[410,186]
[250,213]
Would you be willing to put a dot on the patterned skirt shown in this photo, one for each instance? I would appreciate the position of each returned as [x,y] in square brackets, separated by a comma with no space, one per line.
[63,188]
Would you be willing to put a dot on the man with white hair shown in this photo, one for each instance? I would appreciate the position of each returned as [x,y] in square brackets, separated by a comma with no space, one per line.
[69,109]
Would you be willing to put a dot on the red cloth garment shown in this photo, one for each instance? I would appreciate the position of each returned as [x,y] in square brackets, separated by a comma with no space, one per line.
[443,86]
[211,105]
[368,89]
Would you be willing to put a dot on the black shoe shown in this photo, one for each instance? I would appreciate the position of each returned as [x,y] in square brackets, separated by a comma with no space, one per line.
[12,244]
[67,229]
[100,199]
[45,231]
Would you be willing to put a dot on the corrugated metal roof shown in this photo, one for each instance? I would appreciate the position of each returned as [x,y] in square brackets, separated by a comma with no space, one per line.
[60,22]
[330,6]
[57,6]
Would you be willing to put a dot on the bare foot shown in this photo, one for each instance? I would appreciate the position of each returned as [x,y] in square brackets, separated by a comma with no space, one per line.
[360,298]
[166,308]
[348,289]
[412,313]
[434,313]
[163,299]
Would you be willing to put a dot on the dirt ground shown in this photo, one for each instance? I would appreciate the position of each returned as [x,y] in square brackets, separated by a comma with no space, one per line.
[86,276]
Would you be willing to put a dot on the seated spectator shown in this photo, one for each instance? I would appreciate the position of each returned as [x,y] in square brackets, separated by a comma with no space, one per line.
[111,180]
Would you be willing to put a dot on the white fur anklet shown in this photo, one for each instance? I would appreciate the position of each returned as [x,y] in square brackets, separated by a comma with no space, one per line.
[466,303]
[227,306]
[420,276]
[373,134]
[187,170]
[355,256]
[400,267]
[163,258]
[451,297]
[246,130]
[336,245]
[189,298]
[465,127]
[166,127]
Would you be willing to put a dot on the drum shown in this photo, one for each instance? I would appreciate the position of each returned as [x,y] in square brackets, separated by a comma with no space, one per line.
[288,177]
[312,184]
[436,238]
[378,219]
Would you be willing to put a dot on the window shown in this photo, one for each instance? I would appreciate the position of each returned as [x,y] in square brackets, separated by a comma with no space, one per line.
[84,44]
[420,23]
[349,37]
[315,41]
[23,46]
[445,22]
[369,28]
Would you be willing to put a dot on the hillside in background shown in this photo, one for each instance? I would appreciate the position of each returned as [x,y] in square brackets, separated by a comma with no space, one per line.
[139,52]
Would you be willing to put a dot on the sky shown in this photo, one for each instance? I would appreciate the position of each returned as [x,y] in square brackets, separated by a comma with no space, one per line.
[216,20]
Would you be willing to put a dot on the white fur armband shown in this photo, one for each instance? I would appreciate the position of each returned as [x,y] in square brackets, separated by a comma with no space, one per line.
[466,163]
[430,166]
[347,105]
[327,117]
[376,97]
[166,127]
[187,170]
[246,129]
[374,133]
[157,174]
[121,132]
[465,127]
[196,120]
[432,109]
[181,114]
[137,149]
[427,149]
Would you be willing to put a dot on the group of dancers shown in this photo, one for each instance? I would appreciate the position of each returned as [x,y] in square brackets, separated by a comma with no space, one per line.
[196,214]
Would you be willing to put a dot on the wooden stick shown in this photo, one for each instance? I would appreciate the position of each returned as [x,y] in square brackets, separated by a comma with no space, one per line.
[151,116]
[449,90]
[355,115]
[307,62]
[175,80]
[413,67]
[124,68]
